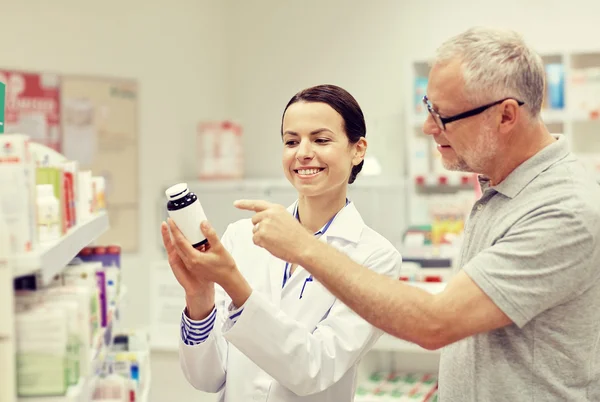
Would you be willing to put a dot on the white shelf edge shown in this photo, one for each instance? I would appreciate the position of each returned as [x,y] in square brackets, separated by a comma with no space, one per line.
[50,259]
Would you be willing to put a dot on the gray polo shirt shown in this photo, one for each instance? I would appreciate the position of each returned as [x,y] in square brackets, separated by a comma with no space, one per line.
[532,244]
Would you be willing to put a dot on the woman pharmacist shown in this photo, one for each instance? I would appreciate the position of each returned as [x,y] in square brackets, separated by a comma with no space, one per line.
[271,332]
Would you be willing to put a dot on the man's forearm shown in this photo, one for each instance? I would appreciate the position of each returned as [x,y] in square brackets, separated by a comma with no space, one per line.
[402,310]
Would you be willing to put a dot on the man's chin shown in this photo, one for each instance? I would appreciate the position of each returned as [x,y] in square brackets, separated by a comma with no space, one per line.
[457,166]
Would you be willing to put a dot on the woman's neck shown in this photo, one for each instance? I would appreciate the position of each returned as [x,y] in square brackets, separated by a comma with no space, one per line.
[315,212]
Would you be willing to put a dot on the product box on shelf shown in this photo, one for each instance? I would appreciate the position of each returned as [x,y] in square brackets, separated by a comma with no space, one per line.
[43,365]
[584,94]
[17,180]
[99,185]
[70,171]
[128,359]
[54,177]
[48,214]
[86,319]
[108,276]
[86,205]
[420,91]
[54,168]
[555,86]
[83,276]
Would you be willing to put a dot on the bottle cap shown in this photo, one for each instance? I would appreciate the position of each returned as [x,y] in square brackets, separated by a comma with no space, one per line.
[86,251]
[177,191]
[113,249]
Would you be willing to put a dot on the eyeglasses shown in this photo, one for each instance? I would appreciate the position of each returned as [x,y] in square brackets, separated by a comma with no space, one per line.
[442,121]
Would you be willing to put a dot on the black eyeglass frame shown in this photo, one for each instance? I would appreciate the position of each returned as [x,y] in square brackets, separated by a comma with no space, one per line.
[442,121]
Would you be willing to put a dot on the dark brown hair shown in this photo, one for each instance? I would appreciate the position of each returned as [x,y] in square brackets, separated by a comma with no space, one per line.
[342,102]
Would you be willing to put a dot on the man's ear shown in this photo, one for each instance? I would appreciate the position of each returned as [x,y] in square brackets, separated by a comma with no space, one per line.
[510,114]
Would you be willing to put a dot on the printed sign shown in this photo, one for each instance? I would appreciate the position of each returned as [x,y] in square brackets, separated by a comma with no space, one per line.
[32,106]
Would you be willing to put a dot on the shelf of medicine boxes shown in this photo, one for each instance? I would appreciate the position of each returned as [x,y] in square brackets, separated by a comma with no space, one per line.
[49,259]
[82,391]
[388,343]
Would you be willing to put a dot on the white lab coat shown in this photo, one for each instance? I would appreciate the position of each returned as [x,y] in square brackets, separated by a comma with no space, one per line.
[283,348]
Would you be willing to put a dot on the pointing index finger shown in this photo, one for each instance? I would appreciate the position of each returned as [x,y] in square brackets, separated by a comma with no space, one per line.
[253,205]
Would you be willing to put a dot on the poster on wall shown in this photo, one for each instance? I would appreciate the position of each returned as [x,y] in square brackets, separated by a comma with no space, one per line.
[32,106]
[220,150]
[100,131]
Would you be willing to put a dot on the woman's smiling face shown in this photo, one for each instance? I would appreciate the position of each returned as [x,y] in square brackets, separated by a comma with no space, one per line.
[317,156]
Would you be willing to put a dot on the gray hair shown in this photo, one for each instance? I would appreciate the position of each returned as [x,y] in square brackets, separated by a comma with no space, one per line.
[498,64]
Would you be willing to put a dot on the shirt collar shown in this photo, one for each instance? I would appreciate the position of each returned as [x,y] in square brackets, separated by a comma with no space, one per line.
[524,174]
[347,225]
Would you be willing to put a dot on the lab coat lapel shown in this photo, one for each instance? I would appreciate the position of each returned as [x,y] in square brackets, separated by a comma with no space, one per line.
[276,267]
[347,226]
[295,282]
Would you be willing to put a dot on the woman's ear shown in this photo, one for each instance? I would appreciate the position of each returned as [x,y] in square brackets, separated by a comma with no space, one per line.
[360,148]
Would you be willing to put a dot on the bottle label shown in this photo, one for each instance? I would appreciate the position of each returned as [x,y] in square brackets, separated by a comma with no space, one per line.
[188,220]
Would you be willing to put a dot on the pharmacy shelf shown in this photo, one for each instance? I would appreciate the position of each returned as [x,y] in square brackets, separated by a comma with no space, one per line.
[75,393]
[53,257]
[450,179]
[82,391]
[103,338]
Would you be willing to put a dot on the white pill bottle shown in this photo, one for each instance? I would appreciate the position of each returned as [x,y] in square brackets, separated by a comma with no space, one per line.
[185,209]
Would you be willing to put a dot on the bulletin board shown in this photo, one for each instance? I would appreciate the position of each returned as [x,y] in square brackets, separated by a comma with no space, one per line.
[100,130]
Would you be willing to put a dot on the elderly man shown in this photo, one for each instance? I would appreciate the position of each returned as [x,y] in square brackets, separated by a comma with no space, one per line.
[519,321]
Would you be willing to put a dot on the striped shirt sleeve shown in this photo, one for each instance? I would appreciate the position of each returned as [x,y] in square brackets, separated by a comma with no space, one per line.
[195,332]
[234,313]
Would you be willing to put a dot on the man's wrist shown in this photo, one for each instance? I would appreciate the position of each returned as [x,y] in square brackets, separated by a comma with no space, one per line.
[309,253]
